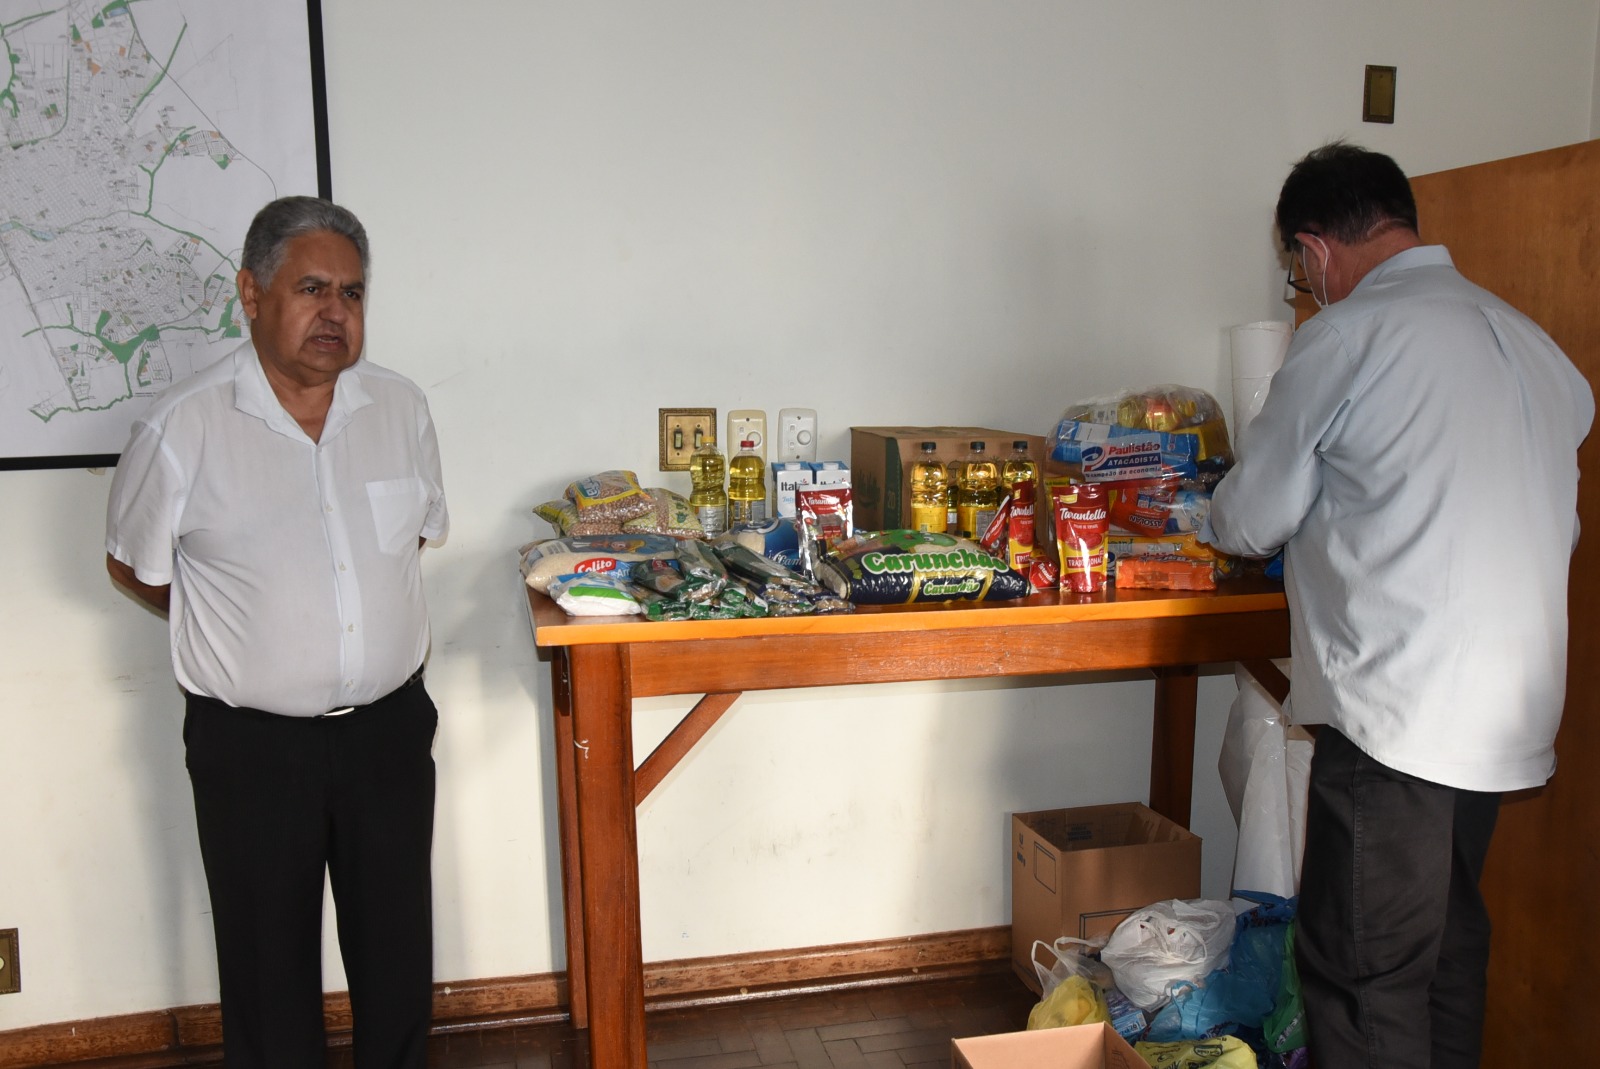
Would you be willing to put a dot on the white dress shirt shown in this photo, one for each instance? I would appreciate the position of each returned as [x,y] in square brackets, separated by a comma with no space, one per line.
[296,585]
[1416,460]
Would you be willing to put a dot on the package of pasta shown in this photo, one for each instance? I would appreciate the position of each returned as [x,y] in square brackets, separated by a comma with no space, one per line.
[563,516]
[670,514]
[609,496]
[900,567]
[785,592]
[543,561]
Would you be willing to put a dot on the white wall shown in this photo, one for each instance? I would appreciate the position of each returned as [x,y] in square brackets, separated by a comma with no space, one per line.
[581,213]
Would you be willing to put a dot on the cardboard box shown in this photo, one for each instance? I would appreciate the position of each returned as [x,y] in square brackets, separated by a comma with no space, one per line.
[1079,872]
[1085,1046]
[881,459]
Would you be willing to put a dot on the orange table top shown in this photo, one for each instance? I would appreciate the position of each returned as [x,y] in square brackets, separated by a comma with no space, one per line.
[553,627]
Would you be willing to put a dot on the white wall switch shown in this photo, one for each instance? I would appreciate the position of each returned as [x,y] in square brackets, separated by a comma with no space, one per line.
[797,434]
[747,424]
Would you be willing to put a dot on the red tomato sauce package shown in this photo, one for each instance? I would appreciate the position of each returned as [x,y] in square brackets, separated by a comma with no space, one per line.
[1082,520]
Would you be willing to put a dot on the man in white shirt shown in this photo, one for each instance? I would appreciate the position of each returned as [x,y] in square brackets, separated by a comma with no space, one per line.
[275,505]
[1416,462]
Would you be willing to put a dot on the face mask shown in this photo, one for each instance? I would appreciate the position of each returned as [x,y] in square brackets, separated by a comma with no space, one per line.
[1321,301]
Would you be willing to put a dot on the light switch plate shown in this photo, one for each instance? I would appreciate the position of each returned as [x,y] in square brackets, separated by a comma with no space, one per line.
[680,433]
[797,434]
[746,423]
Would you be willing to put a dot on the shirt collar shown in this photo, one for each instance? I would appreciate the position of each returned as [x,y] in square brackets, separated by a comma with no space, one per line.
[1405,260]
[252,395]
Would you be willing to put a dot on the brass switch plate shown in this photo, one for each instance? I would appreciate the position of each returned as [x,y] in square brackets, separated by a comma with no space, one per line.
[681,432]
[10,971]
[1377,98]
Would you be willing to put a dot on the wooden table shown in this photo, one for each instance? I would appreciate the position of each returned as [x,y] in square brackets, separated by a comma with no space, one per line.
[599,665]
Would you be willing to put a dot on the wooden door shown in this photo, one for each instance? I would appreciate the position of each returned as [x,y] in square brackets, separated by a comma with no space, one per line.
[1528,228]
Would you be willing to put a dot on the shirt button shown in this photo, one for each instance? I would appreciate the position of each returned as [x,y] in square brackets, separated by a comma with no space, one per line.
[327,508]
[341,566]
[349,684]
[351,629]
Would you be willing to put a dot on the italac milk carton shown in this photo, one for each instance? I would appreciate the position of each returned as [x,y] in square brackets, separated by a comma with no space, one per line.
[786,476]
[830,473]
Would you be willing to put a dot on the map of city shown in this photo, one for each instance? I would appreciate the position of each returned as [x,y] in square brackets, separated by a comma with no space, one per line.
[140,136]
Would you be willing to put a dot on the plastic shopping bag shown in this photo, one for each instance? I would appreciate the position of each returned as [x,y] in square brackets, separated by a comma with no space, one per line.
[1074,1001]
[1224,1052]
[1167,945]
[1238,998]
[1073,983]
[1265,765]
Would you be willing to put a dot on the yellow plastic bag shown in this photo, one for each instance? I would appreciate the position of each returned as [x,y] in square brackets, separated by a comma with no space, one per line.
[1224,1052]
[1074,1001]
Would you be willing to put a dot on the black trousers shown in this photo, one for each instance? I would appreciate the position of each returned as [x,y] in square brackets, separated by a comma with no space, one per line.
[279,802]
[1393,936]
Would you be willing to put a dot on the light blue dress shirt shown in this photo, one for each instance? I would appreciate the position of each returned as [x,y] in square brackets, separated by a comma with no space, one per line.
[1416,460]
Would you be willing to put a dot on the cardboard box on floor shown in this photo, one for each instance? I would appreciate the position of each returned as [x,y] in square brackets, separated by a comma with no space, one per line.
[881,459]
[1085,1046]
[1079,872]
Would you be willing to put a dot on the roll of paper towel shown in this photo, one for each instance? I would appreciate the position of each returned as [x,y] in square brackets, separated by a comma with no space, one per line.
[1258,350]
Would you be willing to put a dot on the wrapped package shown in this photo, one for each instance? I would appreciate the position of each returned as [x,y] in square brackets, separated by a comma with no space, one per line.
[543,561]
[1158,453]
[900,567]
[670,514]
[563,516]
[611,496]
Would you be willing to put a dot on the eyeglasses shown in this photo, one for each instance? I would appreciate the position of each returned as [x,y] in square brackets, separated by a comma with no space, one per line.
[1295,283]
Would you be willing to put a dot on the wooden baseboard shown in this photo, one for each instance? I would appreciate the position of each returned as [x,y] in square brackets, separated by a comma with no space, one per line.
[501,1001]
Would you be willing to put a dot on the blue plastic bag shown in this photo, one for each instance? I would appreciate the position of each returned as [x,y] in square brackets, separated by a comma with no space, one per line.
[1241,995]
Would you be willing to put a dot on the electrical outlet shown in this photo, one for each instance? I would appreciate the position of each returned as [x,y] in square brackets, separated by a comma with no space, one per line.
[747,424]
[681,432]
[10,971]
[797,434]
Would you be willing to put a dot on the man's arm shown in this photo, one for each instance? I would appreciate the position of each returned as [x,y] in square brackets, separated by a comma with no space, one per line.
[1262,502]
[157,597]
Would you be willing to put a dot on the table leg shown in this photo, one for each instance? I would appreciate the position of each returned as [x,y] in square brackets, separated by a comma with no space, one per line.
[602,742]
[571,851]
[1172,742]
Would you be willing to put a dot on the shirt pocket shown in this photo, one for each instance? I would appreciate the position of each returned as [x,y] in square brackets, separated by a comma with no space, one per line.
[399,507]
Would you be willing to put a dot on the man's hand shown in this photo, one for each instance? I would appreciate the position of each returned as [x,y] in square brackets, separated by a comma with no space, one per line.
[157,597]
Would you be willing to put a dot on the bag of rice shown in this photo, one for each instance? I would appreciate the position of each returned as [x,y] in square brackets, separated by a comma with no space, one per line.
[542,562]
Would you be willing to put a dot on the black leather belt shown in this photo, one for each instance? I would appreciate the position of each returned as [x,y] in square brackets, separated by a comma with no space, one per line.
[416,678]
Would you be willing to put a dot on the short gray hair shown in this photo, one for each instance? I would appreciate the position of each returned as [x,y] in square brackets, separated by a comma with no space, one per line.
[267,242]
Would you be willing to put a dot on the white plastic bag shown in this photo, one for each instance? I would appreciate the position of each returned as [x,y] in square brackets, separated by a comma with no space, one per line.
[1166,945]
[1265,765]
[1067,957]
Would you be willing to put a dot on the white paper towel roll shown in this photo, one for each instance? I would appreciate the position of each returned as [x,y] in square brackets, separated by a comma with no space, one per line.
[1258,350]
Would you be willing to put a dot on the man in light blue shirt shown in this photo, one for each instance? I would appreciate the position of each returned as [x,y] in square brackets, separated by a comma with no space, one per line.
[1416,460]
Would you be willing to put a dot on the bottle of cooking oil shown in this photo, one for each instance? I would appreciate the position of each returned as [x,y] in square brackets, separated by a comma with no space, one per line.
[747,486]
[709,499]
[978,495]
[1018,467]
[929,504]
[952,487]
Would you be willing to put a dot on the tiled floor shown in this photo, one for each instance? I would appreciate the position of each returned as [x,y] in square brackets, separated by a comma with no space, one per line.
[890,1027]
